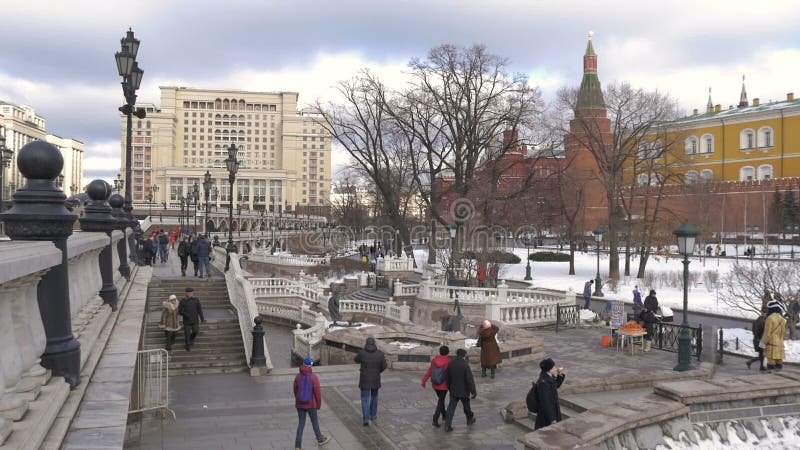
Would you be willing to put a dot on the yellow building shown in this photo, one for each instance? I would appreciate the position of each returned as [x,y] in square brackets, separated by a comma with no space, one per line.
[747,142]
[285,154]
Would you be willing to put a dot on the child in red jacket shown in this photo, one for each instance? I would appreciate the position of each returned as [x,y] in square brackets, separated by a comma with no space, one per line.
[308,399]
[438,369]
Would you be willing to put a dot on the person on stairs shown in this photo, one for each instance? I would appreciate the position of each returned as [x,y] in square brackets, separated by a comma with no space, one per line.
[307,401]
[461,385]
[183,253]
[758,333]
[169,320]
[372,362]
[437,373]
[490,351]
[192,314]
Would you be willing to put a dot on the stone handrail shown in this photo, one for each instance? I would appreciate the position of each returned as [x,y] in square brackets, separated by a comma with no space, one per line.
[399,264]
[389,310]
[406,289]
[240,293]
[306,341]
[266,288]
[289,260]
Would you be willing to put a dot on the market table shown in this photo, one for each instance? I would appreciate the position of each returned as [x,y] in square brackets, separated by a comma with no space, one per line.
[634,336]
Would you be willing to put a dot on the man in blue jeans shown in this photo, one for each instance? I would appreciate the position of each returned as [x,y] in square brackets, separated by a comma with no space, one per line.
[372,364]
[203,250]
[308,401]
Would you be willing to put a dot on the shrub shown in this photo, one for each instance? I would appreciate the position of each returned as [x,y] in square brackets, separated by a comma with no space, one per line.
[549,257]
[495,256]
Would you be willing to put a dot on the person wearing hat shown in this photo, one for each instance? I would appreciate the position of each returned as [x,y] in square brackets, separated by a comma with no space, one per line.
[369,381]
[308,401]
[550,379]
[192,314]
[774,335]
[169,320]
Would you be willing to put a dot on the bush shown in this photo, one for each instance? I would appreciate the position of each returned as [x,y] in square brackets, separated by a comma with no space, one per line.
[495,256]
[549,257]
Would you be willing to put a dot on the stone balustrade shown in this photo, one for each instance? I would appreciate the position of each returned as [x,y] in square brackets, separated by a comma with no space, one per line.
[401,263]
[263,255]
[405,289]
[275,288]
[306,341]
[386,310]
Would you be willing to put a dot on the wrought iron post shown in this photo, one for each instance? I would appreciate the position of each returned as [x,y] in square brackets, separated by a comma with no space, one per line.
[116,201]
[97,217]
[258,359]
[39,214]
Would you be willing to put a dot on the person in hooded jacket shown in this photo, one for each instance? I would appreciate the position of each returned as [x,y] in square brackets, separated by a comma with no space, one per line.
[308,408]
[461,384]
[369,381]
[441,362]
[550,379]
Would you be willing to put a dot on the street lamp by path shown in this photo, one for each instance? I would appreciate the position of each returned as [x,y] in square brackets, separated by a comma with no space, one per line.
[453,234]
[526,239]
[5,161]
[196,198]
[153,190]
[598,283]
[207,185]
[232,164]
[180,218]
[272,250]
[686,235]
[397,241]
[119,183]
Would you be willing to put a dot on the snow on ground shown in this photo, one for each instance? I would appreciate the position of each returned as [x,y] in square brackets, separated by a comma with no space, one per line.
[405,345]
[469,343]
[356,327]
[745,344]
[587,315]
[783,440]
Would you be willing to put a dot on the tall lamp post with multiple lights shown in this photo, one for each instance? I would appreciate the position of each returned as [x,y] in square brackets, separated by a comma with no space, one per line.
[119,183]
[232,164]
[598,283]
[151,197]
[686,235]
[196,197]
[207,185]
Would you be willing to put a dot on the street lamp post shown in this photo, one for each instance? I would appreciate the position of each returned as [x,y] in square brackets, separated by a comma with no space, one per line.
[598,283]
[207,185]
[526,239]
[232,164]
[397,241]
[453,234]
[5,161]
[119,183]
[272,250]
[686,235]
[180,218]
[195,197]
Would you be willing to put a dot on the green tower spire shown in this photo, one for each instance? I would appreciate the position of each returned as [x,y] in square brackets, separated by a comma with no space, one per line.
[590,95]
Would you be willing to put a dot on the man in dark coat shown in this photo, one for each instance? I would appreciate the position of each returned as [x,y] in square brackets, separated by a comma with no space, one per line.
[758,333]
[183,254]
[461,384]
[587,294]
[203,250]
[550,379]
[192,314]
[372,364]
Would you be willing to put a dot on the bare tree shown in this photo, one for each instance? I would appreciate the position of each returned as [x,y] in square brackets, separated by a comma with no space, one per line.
[349,204]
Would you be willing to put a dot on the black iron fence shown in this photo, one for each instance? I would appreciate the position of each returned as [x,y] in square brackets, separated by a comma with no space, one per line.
[567,316]
[665,337]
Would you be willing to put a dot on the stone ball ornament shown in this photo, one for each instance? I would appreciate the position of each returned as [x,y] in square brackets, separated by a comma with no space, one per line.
[98,190]
[116,201]
[40,160]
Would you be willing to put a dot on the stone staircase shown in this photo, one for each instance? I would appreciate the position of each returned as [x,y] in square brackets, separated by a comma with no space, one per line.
[218,347]
[369,294]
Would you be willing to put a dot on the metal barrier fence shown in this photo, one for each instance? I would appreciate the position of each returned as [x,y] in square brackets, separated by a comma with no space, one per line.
[567,316]
[151,383]
[666,337]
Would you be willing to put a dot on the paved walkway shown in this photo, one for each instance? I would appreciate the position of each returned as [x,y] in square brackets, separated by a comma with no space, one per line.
[172,268]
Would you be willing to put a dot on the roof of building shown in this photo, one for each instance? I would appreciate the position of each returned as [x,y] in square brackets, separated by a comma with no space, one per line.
[736,112]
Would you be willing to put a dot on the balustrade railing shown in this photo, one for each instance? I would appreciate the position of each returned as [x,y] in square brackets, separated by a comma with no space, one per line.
[306,341]
[399,264]
[289,260]
[266,288]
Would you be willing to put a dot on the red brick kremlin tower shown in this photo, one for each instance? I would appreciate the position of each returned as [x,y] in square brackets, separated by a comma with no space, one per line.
[589,134]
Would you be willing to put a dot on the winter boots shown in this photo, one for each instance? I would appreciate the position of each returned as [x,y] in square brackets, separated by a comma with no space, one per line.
[483,372]
[647,345]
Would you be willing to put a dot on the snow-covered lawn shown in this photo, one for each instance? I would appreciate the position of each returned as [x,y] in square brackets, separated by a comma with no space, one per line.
[745,344]
[774,440]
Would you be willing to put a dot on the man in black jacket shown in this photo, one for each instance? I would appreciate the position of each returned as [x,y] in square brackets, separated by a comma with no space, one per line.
[192,314]
[460,383]
[183,254]
[372,364]
[547,385]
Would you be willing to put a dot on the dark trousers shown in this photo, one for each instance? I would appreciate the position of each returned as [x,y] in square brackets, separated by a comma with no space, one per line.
[759,358]
[451,409]
[190,331]
[195,265]
[440,409]
[170,337]
[184,263]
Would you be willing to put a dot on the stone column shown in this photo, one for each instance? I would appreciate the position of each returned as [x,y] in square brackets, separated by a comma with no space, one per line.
[39,214]
[116,201]
[97,217]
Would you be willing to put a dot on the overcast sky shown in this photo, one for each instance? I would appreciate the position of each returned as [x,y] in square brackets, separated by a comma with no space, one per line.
[58,56]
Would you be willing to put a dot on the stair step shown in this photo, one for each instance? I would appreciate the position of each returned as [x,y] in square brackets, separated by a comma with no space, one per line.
[185,372]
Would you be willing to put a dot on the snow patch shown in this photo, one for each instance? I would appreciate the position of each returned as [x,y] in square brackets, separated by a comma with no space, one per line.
[745,344]
[587,315]
[405,345]
[356,327]
[469,343]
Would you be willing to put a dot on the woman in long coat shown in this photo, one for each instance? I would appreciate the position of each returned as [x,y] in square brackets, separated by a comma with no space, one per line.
[490,351]
[169,320]
[546,390]
[774,335]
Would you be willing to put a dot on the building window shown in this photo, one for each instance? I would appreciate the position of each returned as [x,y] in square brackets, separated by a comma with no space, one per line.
[747,173]
[765,137]
[691,177]
[691,145]
[747,139]
[707,175]
[707,144]
[765,172]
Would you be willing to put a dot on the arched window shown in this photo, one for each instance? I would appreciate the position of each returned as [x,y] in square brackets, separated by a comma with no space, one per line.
[747,173]
[226,104]
[217,104]
[765,172]
[747,139]
[707,175]
[765,137]
[691,177]
[707,144]
[691,145]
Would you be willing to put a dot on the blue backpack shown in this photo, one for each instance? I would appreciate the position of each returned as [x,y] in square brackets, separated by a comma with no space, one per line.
[305,389]
[437,375]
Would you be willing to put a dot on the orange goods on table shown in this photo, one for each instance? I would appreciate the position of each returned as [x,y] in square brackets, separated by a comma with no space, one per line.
[631,327]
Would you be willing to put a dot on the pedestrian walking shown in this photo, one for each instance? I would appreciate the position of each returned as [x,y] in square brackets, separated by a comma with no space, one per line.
[169,320]
[437,373]
[774,335]
[372,363]
[461,385]
[173,238]
[758,333]
[490,351]
[203,251]
[193,254]
[587,293]
[192,313]
[308,401]
[637,302]
[546,391]
[184,250]
[163,246]
[149,251]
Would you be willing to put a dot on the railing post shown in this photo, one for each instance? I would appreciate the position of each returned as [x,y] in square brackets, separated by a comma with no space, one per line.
[258,358]
[405,313]
[699,341]
[502,291]
[97,217]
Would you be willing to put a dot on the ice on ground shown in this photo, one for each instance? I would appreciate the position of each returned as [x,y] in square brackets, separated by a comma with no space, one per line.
[405,345]
[740,342]
[469,343]
[785,439]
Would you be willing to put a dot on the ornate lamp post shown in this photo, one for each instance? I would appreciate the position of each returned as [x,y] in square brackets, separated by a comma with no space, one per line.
[180,218]
[207,185]
[526,239]
[195,197]
[119,183]
[151,197]
[453,234]
[272,250]
[397,240]
[598,283]
[232,164]
[686,235]
[5,161]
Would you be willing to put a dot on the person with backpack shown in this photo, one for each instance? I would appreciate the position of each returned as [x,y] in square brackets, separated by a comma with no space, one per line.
[461,384]
[308,401]
[437,373]
[758,333]
[542,399]
[372,364]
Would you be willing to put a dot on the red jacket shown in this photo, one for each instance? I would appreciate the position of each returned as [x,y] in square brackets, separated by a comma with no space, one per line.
[439,361]
[316,397]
